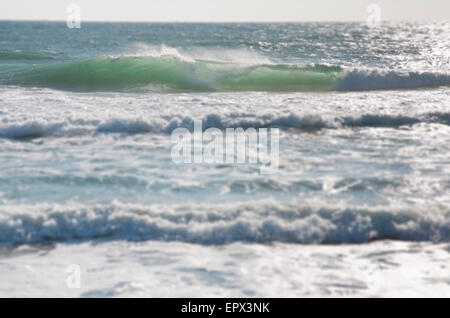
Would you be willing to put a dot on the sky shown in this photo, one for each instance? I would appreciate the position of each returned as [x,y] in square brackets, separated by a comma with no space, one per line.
[225,10]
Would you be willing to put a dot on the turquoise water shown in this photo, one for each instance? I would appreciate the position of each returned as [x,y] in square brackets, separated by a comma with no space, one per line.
[222,57]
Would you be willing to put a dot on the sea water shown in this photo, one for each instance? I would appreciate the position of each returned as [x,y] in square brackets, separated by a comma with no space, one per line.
[359,205]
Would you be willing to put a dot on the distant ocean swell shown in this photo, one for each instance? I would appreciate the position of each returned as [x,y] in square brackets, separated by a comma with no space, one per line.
[19,55]
[174,73]
[260,222]
[72,127]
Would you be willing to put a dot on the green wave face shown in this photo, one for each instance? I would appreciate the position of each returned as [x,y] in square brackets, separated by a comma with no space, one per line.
[169,72]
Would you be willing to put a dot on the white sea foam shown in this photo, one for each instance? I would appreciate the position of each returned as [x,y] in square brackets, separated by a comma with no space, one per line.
[232,55]
[175,269]
[260,222]
[362,80]
[70,127]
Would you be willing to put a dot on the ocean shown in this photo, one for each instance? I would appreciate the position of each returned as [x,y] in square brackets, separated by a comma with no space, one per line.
[359,205]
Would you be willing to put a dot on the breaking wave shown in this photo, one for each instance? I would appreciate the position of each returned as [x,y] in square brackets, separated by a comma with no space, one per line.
[71,127]
[259,222]
[171,72]
[358,80]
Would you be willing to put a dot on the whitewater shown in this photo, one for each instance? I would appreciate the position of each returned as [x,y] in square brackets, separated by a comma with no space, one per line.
[360,205]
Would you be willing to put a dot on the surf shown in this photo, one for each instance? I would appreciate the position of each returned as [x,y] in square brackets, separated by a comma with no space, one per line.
[255,222]
[128,73]
[29,129]
[172,72]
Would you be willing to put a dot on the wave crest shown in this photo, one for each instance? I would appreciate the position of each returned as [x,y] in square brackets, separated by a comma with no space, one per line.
[159,125]
[362,80]
[170,72]
[262,222]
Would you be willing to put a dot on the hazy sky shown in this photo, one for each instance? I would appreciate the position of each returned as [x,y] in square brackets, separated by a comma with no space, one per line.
[225,10]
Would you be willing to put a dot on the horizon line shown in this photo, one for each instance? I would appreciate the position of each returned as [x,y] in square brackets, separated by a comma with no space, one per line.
[224,21]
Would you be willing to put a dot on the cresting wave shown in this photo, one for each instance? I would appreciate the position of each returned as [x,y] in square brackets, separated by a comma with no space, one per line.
[257,222]
[170,73]
[71,127]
